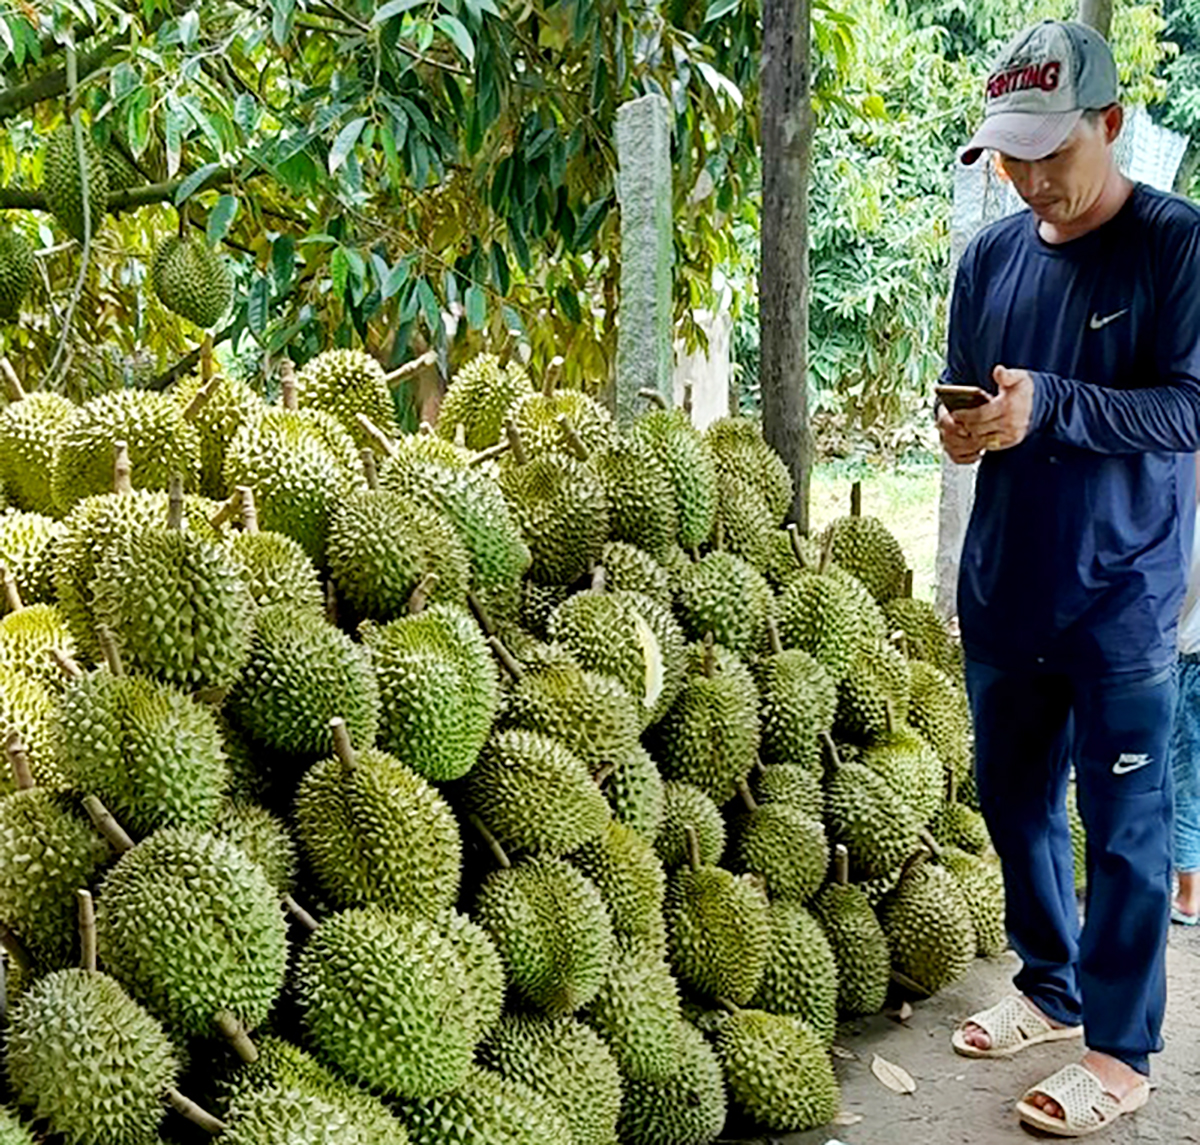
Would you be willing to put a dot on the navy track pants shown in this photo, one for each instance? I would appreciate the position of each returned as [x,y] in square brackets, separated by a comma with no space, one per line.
[1030,727]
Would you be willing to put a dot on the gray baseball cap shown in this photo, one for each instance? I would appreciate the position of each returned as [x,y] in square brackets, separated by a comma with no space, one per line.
[1041,84]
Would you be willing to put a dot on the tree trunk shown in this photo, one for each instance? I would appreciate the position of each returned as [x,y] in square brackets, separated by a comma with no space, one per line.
[1187,168]
[787,129]
[1096,14]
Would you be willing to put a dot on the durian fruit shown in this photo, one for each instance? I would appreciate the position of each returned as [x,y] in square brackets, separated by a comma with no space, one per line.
[29,636]
[538,601]
[710,736]
[63,181]
[630,569]
[718,931]
[637,1012]
[28,546]
[864,546]
[122,173]
[27,708]
[929,928]
[47,852]
[911,768]
[957,825]
[86,1060]
[797,702]
[302,673]
[687,1108]
[536,419]
[874,694]
[1078,837]
[778,1070]
[17,269]
[591,714]
[227,405]
[386,998]
[857,941]
[383,545]
[818,615]
[536,795]
[30,430]
[151,755]
[745,524]
[982,886]
[685,805]
[924,630]
[741,453]
[635,793]
[481,960]
[785,847]
[938,709]
[410,451]
[479,398]
[641,497]
[565,1062]
[280,1115]
[12,1130]
[261,837]
[688,461]
[377,834]
[177,608]
[724,595]
[630,878]
[276,570]
[801,975]
[161,445]
[346,383]
[553,932]
[486,1109]
[793,784]
[190,926]
[562,509]
[191,279]
[438,690]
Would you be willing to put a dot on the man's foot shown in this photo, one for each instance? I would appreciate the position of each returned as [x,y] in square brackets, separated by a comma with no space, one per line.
[1114,1075]
[1187,897]
[978,1037]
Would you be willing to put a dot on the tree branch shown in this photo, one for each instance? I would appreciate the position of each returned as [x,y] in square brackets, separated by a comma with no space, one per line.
[127,199]
[53,84]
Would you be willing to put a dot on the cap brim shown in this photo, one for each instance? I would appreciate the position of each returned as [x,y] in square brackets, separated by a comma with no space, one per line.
[1022,134]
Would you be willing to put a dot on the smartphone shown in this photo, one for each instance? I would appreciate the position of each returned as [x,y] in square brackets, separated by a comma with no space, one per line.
[961,397]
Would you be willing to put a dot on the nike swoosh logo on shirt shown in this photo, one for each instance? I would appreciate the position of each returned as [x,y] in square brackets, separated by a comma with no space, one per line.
[1099,323]
[1130,762]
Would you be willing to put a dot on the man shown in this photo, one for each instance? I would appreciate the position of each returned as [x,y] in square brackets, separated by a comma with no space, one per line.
[1081,320]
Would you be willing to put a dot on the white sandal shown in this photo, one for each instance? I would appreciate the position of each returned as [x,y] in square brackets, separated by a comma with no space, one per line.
[1011,1026]
[1087,1106]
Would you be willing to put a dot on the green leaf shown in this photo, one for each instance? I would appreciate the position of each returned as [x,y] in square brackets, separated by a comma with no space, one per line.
[344,143]
[258,305]
[245,112]
[194,181]
[189,27]
[339,270]
[429,306]
[590,223]
[569,301]
[457,32]
[475,304]
[393,8]
[283,262]
[501,275]
[281,20]
[395,279]
[220,218]
[719,8]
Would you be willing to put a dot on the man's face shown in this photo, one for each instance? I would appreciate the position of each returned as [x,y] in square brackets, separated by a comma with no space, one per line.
[1065,185]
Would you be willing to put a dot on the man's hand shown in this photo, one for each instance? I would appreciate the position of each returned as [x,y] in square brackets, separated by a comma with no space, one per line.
[960,444]
[1004,421]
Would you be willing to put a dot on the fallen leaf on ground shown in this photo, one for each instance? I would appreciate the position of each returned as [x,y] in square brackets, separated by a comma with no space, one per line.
[843,1053]
[895,1077]
[844,1118]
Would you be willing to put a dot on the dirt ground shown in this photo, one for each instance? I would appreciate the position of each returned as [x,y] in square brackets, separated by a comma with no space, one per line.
[964,1102]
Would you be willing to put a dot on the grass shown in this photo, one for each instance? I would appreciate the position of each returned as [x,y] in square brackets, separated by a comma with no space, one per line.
[904,496]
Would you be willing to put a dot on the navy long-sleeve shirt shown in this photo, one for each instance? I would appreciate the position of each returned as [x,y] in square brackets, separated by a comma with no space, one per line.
[1076,553]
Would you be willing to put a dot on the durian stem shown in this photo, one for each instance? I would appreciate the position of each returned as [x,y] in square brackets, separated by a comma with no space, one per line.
[18,761]
[693,846]
[122,468]
[225,513]
[911,985]
[107,825]
[460,435]
[574,441]
[108,645]
[797,547]
[235,1034]
[599,578]
[719,533]
[507,660]
[420,594]
[492,452]
[429,358]
[425,429]
[18,955]
[206,360]
[688,391]
[515,443]
[370,470]
[743,789]
[493,844]
[653,397]
[835,759]
[175,504]
[774,640]
[186,1107]
[12,594]
[728,1006]
[13,390]
[182,218]
[287,385]
[889,716]
[87,929]
[548,380]
[66,665]
[481,615]
[919,856]
[249,508]
[298,912]
[201,398]
[380,442]
[926,837]
[826,551]
[841,865]
[342,746]
[710,659]
[604,773]
[856,499]
[908,584]
[899,641]
[331,603]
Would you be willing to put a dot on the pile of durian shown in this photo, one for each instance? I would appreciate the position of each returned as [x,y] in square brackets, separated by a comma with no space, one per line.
[517,782]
